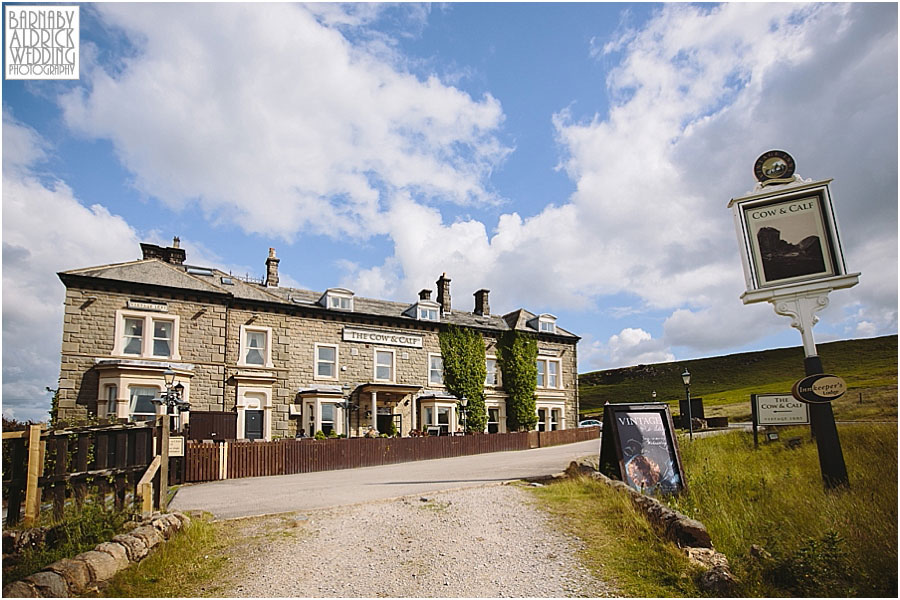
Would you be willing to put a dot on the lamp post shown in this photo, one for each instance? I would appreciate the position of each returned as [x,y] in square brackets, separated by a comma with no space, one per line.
[465,403]
[653,395]
[686,377]
[170,399]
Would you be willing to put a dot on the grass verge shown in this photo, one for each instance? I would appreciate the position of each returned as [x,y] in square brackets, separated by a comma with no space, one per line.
[187,565]
[78,531]
[620,547]
[816,542]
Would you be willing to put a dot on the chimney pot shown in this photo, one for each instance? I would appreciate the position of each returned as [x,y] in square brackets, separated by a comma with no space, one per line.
[272,269]
[482,307]
[443,293]
[425,294]
[176,242]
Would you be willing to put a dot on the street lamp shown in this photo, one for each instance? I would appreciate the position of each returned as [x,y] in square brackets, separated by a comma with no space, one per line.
[172,398]
[653,395]
[464,402]
[686,377]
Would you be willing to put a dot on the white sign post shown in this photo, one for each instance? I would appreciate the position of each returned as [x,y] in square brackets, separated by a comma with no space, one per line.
[792,258]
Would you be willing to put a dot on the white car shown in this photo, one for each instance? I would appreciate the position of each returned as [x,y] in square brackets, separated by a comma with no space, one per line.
[591,423]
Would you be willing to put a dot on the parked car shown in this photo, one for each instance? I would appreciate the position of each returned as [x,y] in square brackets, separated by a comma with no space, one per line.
[591,423]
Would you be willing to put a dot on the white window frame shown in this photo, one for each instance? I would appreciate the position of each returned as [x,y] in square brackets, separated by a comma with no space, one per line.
[132,400]
[549,406]
[538,409]
[393,354]
[112,399]
[546,326]
[146,333]
[317,360]
[555,423]
[495,371]
[546,363]
[427,313]
[431,356]
[343,298]
[267,352]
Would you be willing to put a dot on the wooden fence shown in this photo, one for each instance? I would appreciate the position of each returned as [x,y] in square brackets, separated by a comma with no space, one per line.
[72,463]
[206,461]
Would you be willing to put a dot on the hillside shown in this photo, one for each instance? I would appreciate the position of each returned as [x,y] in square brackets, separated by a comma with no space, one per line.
[864,363]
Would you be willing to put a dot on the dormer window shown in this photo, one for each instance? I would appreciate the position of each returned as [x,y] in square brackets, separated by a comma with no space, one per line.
[424,310]
[545,323]
[337,299]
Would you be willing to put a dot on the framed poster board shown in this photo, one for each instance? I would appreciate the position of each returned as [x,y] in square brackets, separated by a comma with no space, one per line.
[788,236]
[639,447]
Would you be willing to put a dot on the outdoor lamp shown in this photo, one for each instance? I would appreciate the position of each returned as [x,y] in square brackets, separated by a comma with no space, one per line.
[169,376]
[653,394]
[179,389]
[464,401]
[686,377]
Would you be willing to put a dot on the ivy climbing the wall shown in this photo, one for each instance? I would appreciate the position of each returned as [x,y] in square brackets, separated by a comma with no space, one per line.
[518,365]
[462,351]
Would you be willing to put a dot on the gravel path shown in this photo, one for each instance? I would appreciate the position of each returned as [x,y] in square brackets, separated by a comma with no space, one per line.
[479,542]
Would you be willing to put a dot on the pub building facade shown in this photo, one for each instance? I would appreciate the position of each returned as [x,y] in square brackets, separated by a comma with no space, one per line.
[278,360]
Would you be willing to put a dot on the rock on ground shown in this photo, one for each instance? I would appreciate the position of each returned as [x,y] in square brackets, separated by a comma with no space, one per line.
[478,542]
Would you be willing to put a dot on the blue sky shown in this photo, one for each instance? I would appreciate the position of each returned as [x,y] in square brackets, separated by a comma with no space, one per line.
[575,159]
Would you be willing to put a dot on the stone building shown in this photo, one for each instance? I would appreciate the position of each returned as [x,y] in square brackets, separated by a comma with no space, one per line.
[277,359]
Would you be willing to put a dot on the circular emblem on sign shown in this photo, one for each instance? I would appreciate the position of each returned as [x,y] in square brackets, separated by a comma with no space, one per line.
[819,389]
[774,164]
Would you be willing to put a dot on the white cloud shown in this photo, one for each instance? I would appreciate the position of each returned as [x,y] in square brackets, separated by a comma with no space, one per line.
[275,122]
[45,230]
[701,92]
[631,346]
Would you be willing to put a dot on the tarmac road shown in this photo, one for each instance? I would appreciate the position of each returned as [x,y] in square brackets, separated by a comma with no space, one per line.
[254,496]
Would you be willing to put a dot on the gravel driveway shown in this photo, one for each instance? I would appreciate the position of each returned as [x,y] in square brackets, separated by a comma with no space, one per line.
[489,541]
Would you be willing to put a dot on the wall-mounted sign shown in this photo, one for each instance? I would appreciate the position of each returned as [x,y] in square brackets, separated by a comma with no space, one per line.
[176,446]
[147,305]
[819,389]
[778,409]
[788,236]
[378,336]
[639,447]
[774,165]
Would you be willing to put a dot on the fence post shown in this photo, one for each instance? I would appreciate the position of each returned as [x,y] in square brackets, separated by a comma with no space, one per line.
[35,466]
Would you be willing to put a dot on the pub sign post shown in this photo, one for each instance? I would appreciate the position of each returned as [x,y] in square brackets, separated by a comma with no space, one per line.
[792,258]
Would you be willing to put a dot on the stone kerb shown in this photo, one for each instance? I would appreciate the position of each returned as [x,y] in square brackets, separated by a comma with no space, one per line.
[689,534]
[88,570]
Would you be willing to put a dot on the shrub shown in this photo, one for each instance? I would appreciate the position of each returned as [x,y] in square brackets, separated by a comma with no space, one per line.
[518,365]
[319,435]
[462,351]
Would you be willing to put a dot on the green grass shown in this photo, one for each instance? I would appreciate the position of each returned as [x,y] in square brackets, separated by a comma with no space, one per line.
[724,380]
[187,565]
[78,531]
[620,546]
[822,543]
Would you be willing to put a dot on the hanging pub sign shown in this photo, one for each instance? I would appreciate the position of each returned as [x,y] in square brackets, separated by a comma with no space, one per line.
[638,447]
[787,232]
[819,389]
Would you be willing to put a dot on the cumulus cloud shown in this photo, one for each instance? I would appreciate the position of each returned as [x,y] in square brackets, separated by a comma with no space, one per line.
[35,248]
[631,346]
[271,119]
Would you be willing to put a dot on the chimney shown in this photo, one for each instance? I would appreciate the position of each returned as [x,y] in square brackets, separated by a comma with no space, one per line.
[481,303]
[272,269]
[443,293]
[172,255]
[425,294]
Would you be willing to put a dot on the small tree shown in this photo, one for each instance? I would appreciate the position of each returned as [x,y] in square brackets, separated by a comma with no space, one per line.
[462,351]
[517,358]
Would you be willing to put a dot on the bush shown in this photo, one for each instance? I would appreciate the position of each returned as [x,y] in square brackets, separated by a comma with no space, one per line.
[319,435]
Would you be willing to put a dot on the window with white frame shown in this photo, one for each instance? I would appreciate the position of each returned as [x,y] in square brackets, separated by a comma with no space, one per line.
[256,346]
[326,361]
[427,313]
[548,373]
[111,394]
[547,326]
[328,417]
[141,407]
[490,365]
[555,418]
[338,299]
[435,369]
[493,420]
[542,419]
[384,365]
[146,335]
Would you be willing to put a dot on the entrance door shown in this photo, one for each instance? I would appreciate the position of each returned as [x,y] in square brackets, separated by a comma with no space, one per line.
[384,423]
[253,424]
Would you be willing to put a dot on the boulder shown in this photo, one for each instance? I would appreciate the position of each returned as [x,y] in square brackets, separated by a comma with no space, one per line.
[75,572]
[49,584]
[117,551]
[718,582]
[20,589]
[185,520]
[149,534]
[101,565]
[134,546]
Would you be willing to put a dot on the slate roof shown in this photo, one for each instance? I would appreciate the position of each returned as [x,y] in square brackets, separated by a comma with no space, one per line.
[156,272]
